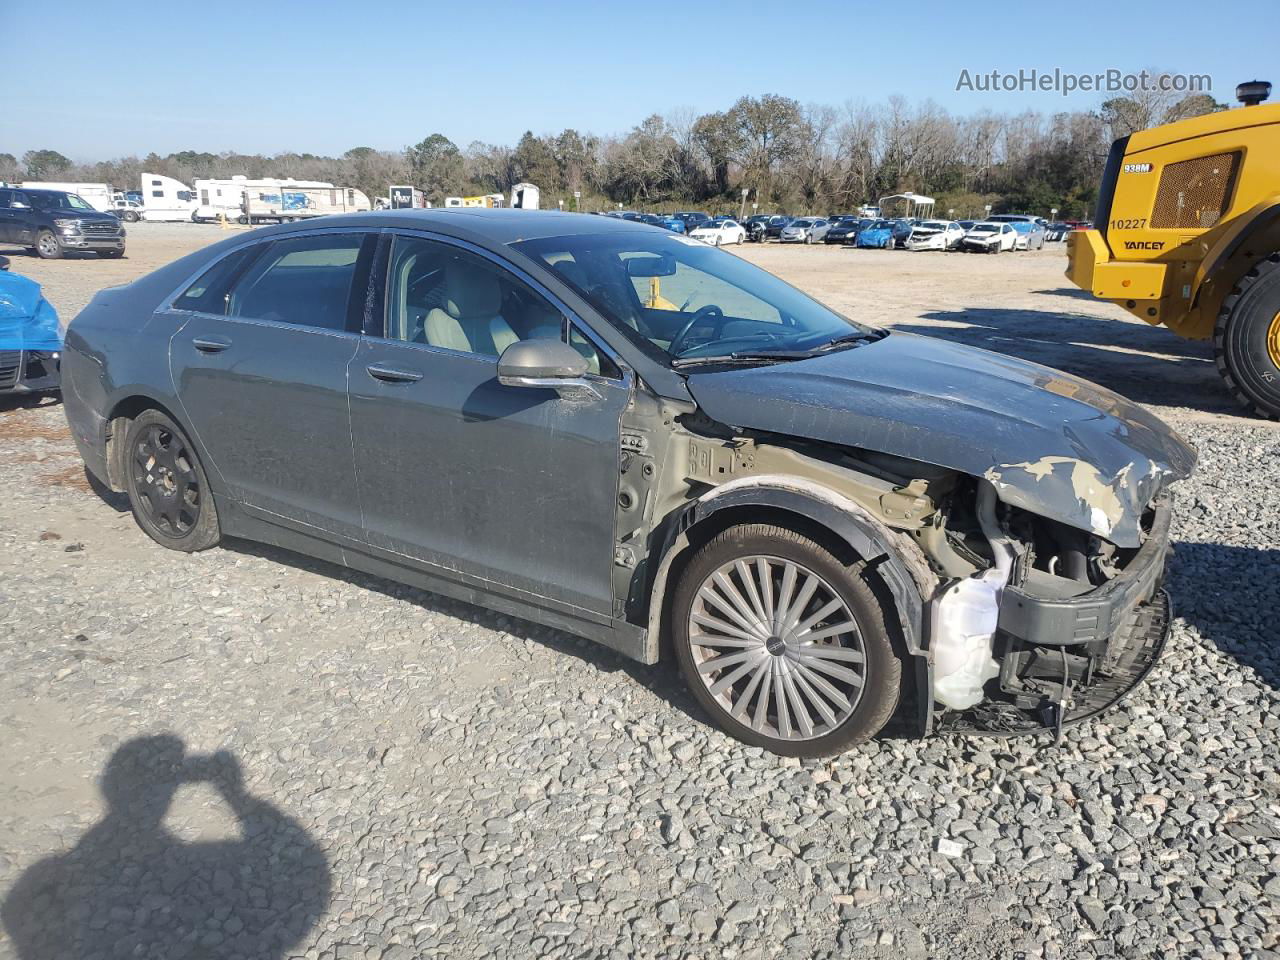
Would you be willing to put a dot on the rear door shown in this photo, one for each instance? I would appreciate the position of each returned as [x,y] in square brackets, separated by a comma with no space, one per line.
[261,371]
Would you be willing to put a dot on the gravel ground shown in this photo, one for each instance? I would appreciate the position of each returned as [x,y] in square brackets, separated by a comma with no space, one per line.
[247,753]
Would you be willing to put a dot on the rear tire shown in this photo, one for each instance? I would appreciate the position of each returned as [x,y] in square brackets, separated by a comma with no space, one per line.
[167,486]
[858,671]
[48,246]
[1246,339]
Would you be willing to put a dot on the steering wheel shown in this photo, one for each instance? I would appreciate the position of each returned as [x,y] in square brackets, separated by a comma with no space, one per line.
[702,313]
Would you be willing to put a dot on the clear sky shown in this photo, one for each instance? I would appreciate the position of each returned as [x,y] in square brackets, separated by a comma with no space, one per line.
[324,76]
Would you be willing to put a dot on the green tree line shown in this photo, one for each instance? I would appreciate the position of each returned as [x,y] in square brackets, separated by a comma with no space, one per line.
[789,158]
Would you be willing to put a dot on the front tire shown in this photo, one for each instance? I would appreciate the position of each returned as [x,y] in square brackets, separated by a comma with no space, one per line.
[1246,339]
[167,486]
[48,246]
[783,643]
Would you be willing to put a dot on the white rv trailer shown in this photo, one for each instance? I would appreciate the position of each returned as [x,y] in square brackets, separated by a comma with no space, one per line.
[246,200]
[164,198]
[96,195]
[524,196]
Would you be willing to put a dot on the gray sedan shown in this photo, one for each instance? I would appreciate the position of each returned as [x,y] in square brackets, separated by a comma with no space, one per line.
[805,230]
[603,427]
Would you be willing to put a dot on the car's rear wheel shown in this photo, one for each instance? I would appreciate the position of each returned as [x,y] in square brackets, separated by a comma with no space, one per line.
[1246,339]
[784,644]
[48,246]
[167,486]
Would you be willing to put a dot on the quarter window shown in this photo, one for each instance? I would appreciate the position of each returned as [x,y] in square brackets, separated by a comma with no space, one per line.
[209,293]
[304,280]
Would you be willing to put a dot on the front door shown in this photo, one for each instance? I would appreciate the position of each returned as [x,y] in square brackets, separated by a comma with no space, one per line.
[510,489]
[261,371]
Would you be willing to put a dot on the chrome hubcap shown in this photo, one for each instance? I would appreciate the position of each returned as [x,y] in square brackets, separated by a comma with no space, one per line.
[777,647]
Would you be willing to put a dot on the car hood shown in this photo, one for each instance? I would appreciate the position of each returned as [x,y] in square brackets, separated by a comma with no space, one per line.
[1051,443]
[66,214]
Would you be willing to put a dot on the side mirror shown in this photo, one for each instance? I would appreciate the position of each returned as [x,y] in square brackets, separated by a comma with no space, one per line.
[18,205]
[546,365]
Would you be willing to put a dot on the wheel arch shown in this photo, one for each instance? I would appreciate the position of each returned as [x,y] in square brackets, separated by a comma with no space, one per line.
[1249,238]
[123,412]
[811,508]
[829,518]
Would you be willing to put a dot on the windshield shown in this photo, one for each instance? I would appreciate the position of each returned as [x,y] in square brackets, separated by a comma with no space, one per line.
[933,225]
[681,301]
[46,200]
[802,223]
[983,228]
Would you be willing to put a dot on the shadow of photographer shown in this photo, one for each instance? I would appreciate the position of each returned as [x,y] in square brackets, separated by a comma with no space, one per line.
[130,888]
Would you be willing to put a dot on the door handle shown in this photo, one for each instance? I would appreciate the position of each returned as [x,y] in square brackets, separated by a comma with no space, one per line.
[210,344]
[392,374]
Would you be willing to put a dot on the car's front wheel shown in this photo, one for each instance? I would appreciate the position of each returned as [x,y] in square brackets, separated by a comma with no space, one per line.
[167,486]
[48,246]
[783,643]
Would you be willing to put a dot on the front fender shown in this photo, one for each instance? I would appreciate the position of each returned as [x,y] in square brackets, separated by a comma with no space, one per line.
[845,518]
[1248,224]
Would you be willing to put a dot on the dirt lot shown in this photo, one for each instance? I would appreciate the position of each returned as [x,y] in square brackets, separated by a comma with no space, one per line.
[246,753]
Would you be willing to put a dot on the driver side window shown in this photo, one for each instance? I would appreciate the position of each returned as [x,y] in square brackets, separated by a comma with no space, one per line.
[444,296]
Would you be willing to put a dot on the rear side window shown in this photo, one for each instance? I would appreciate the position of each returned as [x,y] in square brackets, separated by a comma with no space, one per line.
[209,293]
[305,281]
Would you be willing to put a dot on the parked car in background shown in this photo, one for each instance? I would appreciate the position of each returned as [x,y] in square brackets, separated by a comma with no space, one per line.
[818,520]
[719,232]
[52,223]
[755,226]
[805,230]
[1031,229]
[1056,232]
[691,219]
[877,235]
[846,231]
[902,228]
[935,235]
[988,237]
[967,224]
[773,230]
[1031,235]
[30,343]
[127,210]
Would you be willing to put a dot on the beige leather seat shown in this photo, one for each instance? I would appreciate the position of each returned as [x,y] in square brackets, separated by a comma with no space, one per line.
[469,320]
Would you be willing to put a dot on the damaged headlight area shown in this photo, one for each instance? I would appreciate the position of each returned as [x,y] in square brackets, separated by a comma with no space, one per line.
[1058,627]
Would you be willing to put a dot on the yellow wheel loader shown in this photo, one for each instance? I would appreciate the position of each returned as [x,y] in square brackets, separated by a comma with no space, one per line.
[1187,234]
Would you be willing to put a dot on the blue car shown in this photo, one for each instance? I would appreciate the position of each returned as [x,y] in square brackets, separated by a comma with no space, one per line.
[30,342]
[877,236]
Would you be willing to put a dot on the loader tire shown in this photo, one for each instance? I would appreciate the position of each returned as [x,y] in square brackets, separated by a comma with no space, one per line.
[1246,339]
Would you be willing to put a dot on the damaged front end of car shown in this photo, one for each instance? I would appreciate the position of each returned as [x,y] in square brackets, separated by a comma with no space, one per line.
[1026,511]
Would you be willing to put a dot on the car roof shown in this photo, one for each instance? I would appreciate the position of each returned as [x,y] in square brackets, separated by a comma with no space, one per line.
[494,227]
